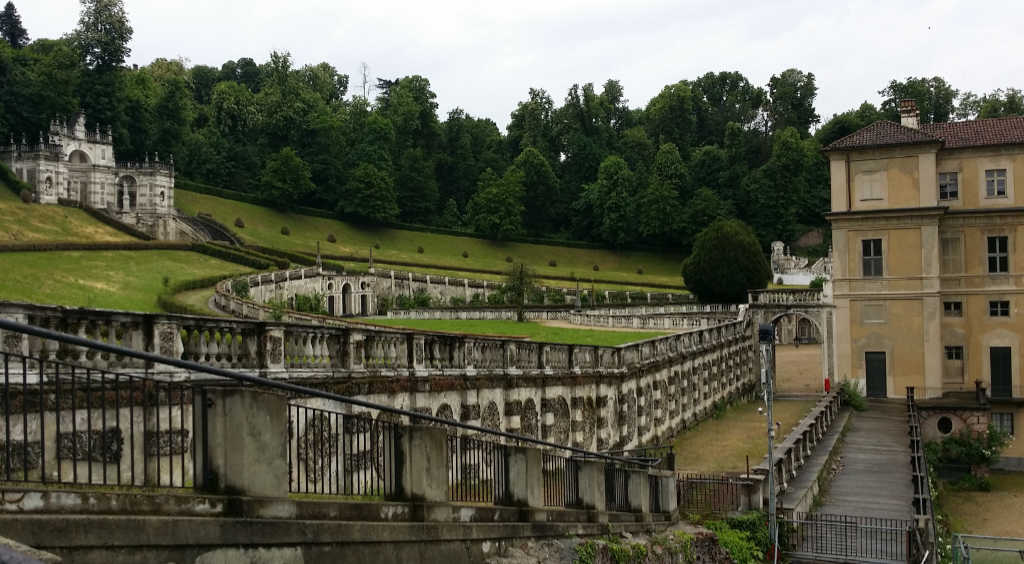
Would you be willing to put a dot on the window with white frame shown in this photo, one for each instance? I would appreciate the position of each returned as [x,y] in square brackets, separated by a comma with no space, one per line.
[949,186]
[952,255]
[999,308]
[1003,421]
[995,183]
[998,254]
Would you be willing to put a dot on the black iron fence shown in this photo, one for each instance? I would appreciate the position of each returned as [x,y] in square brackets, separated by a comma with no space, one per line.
[477,470]
[334,453]
[561,480]
[844,538]
[661,456]
[616,488]
[72,425]
[654,493]
[923,504]
[709,494]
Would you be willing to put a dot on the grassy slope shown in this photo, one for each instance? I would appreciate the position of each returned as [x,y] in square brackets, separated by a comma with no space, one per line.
[263,226]
[127,280]
[535,331]
[737,434]
[22,222]
[999,512]
[199,299]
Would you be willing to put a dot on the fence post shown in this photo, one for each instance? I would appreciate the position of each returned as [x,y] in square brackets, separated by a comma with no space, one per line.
[423,456]
[242,441]
[592,494]
[639,492]
[668,490]
[526,480]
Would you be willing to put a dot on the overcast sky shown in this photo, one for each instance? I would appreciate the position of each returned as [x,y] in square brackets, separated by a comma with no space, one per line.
[484,55]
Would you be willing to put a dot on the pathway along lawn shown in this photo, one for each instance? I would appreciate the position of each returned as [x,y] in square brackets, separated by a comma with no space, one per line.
[263,226]
[722,444]
[998,513]
[129,280]
[36,222]
[534,331]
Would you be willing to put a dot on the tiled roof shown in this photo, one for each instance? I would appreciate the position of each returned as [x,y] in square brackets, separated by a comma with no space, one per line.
[952,135]
[979,132]
[881,134]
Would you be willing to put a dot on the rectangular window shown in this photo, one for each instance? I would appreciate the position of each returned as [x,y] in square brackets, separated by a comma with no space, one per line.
[954,353]
[873,313]
[952,255]
[953,309]
[869,185]
[1003,422]
[998,254]
[995,183]
[949,188]
[999,308]
[871,251]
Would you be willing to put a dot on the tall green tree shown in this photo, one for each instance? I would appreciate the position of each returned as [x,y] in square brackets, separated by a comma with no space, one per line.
[611,201]
[841,125]
[791,95]
[722,98]
[469,146]
[935,98]
[532,125]
[286,180]
[520,280]
[496,210]
[700,211]
[11,29]
[544,206]
[103,33]
[998,103]
[670,117]
[725,263]
[369,194]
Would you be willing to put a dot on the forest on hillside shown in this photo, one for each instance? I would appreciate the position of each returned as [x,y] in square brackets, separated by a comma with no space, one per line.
[590,167]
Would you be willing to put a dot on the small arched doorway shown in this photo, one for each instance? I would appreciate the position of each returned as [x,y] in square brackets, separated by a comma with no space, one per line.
[127,193]
[346,299]
[364,305]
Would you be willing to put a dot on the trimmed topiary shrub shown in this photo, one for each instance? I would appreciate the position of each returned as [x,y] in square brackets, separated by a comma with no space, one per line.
[639,271]
[376,246]
[331,238]
[508,259]
[286,231]
[26,196]
[419,250]
[465,254]
[239,223]
[596,268]
[552,263]
[726,262]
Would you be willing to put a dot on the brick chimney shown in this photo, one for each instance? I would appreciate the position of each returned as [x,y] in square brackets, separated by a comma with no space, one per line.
[909,116]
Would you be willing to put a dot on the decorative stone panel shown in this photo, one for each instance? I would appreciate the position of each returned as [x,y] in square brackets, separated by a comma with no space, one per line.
[23,456]
[165,443]
[94,446]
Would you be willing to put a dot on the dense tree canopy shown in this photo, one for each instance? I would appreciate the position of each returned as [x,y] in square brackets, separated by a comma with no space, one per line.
[584,164]
[726,262]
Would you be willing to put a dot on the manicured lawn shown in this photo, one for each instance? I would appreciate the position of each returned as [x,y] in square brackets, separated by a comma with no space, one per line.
[722,445]
[129,280]
[35,222]
[263,226]
[998,513]
[535,331]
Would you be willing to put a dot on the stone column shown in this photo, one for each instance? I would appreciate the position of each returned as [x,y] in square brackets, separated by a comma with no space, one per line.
[423,470]
[592,494]
[526,480]
[639,492]
[246,442]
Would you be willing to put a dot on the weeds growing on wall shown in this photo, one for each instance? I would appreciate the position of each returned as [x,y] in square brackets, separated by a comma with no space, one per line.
[852,396]
[240,287]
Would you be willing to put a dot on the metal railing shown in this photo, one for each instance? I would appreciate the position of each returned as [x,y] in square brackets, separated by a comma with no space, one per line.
[561,480]
[477,470]
[660,456]
[71,425]
[654,493]
[980,549]
[923,504]
[709,494]
[845,538]
[332,448]
[616,488]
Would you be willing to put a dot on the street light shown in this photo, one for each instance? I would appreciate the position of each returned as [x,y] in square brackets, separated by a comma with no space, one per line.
[766,339]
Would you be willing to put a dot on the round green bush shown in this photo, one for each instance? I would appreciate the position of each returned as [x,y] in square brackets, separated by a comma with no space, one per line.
[331,238]
[596,268]
[508,259]
[465,254]
[376,246]
[552,263]
[239,223]
[725,263]
[26,196]
[419,250]
[285,230]
[639,271]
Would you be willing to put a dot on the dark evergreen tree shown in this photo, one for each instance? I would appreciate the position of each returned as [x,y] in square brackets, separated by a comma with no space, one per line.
[726,262]
[11,29]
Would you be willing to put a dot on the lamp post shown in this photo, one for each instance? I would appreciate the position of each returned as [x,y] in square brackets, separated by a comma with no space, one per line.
[766,339]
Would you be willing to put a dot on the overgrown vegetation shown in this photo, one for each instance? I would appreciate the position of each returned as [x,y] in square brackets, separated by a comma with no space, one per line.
[677,544]
[818,283]
[976,452]
[851,394]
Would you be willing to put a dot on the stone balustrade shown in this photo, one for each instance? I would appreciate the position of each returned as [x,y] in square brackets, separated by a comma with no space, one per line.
[792,451]
[785,297]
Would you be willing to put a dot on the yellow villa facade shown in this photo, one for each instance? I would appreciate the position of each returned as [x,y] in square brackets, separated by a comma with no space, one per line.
[928,273]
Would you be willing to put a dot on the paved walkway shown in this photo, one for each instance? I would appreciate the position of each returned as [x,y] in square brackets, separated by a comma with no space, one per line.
[875,480]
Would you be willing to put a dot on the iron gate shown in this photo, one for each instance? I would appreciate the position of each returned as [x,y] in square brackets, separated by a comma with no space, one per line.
[846,538]
[709,494]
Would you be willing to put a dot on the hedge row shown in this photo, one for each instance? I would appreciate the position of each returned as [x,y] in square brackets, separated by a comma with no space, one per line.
[13,182]
[281,263]
[297,258]
[231,255]
[37,246]
[193,186]
[121,226]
